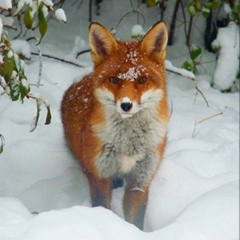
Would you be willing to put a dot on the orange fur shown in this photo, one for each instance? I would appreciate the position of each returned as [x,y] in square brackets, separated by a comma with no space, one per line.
[115,119]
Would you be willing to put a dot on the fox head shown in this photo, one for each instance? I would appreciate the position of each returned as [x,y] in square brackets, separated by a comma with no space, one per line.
[129,76]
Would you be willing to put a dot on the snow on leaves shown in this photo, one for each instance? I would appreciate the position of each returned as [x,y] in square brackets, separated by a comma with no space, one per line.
[227,66]
[31,8]
[6,4]
[12,54]
[60,15]
[1,27]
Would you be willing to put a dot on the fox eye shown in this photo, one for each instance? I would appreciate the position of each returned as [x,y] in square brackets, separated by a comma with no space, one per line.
[113,80]
[142,80]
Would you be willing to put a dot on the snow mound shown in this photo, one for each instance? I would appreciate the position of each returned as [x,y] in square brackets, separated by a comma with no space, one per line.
[228,60]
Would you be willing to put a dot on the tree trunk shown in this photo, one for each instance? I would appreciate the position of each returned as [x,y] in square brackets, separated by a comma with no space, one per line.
[208,35]
[90,11]
[173,23]
[189,31]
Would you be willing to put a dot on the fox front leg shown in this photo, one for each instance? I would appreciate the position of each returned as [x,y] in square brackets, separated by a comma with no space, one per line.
[136,194]
[100,190]
[134,206]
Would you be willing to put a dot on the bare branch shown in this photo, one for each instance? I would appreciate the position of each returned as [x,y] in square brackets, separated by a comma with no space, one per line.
[82,52]
[58,59]
[194,81]
[208,118]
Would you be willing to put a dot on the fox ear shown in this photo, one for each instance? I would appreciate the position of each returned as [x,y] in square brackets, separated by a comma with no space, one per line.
[155,41]
[102,43]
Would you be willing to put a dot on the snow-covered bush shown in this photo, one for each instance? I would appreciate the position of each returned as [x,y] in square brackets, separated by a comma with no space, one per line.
[137,31]
[33,15]
[226,45]
[227,66]
[227,38]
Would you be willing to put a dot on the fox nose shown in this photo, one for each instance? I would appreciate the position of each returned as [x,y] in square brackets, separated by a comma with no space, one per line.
[126,106]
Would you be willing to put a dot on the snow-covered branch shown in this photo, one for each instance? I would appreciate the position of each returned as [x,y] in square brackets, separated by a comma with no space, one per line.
[184,73]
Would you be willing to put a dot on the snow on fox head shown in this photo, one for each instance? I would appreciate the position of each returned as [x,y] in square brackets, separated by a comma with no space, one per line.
[129,76]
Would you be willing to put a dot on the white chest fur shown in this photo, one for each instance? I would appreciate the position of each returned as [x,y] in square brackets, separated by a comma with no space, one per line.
[127,163]
[128,141]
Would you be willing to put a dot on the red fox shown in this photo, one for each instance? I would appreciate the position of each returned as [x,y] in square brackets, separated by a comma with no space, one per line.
[115,119]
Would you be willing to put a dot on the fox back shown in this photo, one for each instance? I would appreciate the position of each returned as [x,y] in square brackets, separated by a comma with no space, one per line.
[115,119]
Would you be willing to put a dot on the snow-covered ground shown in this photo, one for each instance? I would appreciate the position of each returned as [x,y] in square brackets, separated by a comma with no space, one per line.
[44,194]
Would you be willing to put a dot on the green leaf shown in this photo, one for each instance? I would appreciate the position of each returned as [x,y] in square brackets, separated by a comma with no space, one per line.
[211,5]
[49,116]
[235,15]
[208,7]
[1,143]
[198,5]
[194,7]
[215,48]
[188,66]
[151,3]
[9,66]
[206,12]
[195,53]
[42,24]
[36,118]
[23,91]
[192,10]
[28,18]
[14,91]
